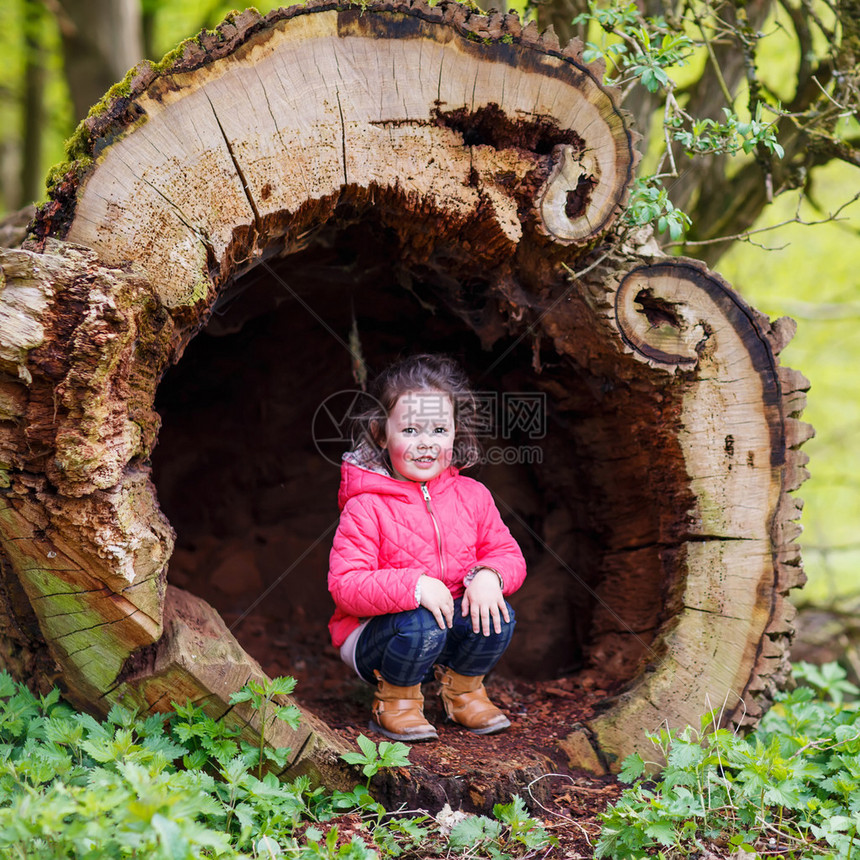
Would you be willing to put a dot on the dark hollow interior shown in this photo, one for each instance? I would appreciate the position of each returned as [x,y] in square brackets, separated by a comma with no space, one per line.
[252,495]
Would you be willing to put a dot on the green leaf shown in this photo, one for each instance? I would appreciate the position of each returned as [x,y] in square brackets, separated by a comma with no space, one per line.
[164,747]
[169,835]
[281,686]
[291,715]
[782,794]
[45,702]
[7,685]
[243,695]
[513,812]
[649,80]
[235,770]
[472,832]
[676,228]
[279,756]
[676,776]
[195,760]
[120,716]
[367,746]
[63,731]
[632,769]
[393,754]
[244,813]
[708,719]
[662,831]
[101,751]
[267,847]
[591,53]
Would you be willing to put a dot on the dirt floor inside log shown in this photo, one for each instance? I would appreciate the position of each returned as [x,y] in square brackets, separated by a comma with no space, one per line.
[527,759]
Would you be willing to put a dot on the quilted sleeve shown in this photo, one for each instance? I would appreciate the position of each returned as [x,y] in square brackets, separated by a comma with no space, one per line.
[496,547]
[356,582]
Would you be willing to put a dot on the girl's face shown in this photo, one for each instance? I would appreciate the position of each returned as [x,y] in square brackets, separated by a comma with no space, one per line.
[419,435]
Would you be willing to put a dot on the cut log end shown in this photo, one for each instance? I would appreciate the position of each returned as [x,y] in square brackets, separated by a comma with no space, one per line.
[507,98]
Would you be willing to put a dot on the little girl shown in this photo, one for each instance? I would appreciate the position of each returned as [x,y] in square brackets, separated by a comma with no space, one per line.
[421,560]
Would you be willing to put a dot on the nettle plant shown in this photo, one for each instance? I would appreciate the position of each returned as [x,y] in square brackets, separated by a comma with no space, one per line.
[651,52]
[790,789]
[177,786]
[183,786]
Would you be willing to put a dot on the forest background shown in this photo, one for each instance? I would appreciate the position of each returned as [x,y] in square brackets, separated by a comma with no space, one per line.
[57,57]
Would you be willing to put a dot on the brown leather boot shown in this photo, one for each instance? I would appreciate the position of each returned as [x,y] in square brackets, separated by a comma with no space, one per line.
[398,713]
[466,702]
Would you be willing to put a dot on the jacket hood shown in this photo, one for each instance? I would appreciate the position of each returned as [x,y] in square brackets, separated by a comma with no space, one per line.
[359,473]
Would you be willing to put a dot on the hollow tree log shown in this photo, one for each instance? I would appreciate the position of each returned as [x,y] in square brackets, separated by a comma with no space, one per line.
[455,180]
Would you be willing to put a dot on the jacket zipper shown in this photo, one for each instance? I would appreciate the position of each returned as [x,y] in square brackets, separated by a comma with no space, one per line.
[426,493]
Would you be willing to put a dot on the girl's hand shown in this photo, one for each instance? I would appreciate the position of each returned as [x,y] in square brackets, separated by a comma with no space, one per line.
[436,597]
[483,599]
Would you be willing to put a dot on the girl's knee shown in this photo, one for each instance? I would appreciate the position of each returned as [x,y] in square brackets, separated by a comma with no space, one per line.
[419,624]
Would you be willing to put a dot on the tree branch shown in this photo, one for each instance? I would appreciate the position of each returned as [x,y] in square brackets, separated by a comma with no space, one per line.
[746,234]
[712,58]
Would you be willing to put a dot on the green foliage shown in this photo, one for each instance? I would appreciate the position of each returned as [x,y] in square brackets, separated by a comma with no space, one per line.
[392,833]
[649,51]
[182,786]
[792,787]
[177,786]
[325,846]
[828,680]
[511,833]
[638,48]
[649,202]
[261,696]
[397,835]
[706,136]
[475,833]
[521,828]
[71,786]
[373,758]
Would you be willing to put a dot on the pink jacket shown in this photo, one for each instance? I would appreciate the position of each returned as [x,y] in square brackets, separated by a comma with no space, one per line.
[391,532]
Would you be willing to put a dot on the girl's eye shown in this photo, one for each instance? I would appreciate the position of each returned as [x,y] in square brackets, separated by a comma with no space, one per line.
[440,430]
[409,430]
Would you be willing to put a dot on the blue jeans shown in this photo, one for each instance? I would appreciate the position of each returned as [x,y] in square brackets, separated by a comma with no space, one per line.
[404,646]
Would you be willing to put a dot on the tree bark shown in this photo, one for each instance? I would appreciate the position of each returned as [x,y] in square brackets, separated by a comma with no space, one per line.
[404,151]
[102,40]
[32,104]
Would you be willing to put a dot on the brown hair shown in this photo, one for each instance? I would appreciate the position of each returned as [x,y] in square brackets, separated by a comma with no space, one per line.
[423,372]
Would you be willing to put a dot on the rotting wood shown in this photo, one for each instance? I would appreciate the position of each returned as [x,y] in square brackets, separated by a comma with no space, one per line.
[488,157]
